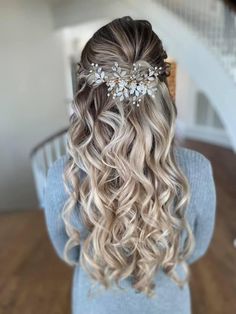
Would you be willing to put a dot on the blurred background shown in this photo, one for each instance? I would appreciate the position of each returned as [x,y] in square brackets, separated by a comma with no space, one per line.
[40,44]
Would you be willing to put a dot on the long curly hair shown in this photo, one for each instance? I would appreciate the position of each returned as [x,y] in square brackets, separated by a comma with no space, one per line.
[133,196]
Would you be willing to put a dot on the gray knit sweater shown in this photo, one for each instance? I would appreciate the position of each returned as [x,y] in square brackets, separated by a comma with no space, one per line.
[170,298]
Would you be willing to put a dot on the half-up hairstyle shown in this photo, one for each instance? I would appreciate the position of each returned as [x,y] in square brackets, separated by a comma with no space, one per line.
[134,195]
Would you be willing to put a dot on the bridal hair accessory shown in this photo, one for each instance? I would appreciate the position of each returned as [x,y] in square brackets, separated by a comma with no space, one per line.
[134,84]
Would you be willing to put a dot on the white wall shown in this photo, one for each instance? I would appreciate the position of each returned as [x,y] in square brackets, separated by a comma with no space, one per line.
[187,93]
[186,90]
[71,12]
[32,94]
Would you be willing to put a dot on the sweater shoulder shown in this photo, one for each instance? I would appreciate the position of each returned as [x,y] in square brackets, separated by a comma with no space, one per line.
[188,155]
[58,166]
[199,173]
[191,161]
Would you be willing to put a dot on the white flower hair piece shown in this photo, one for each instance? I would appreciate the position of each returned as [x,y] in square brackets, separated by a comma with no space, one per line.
[132,84]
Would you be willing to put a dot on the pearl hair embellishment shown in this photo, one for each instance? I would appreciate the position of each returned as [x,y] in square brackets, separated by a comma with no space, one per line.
[134,84]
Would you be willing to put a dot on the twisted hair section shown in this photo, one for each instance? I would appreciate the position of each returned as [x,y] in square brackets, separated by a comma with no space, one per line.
[133,197]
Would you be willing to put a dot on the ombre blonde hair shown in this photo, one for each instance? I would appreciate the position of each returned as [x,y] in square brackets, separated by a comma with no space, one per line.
[133,197]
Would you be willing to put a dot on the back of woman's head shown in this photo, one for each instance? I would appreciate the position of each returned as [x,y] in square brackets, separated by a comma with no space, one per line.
[133,196]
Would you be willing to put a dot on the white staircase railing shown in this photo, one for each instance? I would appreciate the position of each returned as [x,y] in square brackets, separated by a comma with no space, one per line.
[215,24]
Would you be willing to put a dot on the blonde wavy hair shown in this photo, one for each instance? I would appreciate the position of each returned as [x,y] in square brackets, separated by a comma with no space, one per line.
[134,195]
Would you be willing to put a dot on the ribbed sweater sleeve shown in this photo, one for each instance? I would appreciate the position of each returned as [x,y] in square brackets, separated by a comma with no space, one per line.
[54,199]
[204,203]
[202,206]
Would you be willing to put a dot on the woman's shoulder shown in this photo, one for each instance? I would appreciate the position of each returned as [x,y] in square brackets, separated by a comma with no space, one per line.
[187,156]
[196,166]
[58,166]
[191,160]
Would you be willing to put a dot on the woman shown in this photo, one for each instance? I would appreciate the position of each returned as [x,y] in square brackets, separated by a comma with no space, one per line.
[127,206]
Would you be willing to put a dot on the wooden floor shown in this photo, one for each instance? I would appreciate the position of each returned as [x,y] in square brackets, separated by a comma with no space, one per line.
[34,281]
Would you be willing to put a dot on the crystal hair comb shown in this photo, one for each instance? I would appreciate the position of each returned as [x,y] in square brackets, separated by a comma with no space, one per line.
[134,84]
